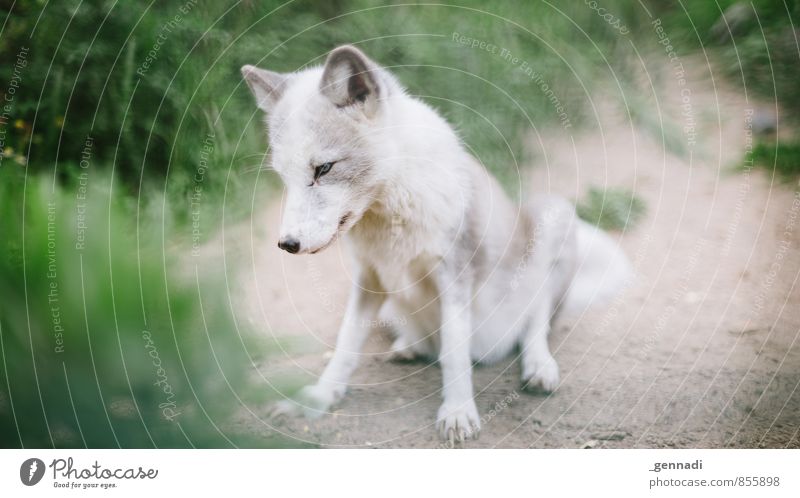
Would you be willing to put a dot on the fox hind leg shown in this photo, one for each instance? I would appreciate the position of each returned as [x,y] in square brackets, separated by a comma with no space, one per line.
[539,368]
[411,341]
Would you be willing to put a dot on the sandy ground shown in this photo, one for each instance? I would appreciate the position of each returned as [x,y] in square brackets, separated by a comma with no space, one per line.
[701,350]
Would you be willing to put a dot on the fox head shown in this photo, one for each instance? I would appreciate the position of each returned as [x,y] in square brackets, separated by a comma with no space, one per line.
[321,122]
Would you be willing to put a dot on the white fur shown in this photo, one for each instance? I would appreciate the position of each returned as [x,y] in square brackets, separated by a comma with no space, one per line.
[436,240]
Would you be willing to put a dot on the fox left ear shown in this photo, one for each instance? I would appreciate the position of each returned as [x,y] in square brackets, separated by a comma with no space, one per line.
[350,78]
[267,86]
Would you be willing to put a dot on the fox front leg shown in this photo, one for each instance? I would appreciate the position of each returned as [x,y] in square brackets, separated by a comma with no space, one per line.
[363,304]
[457,419]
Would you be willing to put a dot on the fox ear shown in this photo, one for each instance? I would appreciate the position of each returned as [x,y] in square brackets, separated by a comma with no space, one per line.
[350,78]
[267,86]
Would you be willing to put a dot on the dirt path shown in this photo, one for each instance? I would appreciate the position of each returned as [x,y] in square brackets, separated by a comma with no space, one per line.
[702,350]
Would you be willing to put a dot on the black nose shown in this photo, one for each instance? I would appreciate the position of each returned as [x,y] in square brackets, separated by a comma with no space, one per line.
[289,245]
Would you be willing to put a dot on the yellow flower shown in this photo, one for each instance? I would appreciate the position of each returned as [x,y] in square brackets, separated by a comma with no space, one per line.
[8,151]
[19,124]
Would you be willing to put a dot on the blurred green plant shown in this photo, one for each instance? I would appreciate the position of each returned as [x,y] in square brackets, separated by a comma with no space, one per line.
[611,209]
[757,48]
[782,158]
[108,338]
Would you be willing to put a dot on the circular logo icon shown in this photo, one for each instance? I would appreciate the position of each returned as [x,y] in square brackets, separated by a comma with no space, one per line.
[31,471]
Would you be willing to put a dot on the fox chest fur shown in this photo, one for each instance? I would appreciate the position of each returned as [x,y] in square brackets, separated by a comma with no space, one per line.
[401,253]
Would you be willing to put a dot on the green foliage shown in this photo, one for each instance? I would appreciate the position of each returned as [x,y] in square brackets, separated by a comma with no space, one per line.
[782,158]
[691,24]
[107,337]
[148,83]
[767,66]
[611,209]
[762,53]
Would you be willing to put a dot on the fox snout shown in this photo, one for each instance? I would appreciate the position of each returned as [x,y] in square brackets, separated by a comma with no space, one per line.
[289,244]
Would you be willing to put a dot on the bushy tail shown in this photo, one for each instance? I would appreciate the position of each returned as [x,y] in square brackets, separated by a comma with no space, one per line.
[603,270]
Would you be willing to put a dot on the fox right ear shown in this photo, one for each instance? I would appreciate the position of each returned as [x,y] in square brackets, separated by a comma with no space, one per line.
[267,86]
[350,78]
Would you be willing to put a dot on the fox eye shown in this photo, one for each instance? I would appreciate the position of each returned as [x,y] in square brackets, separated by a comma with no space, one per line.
[322,170]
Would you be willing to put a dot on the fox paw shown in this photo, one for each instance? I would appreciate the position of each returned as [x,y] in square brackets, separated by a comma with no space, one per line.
[540,375]
[312,402]
[458,422]
[401,353]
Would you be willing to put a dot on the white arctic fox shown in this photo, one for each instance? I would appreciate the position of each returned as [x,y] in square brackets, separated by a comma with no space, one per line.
[437,243]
